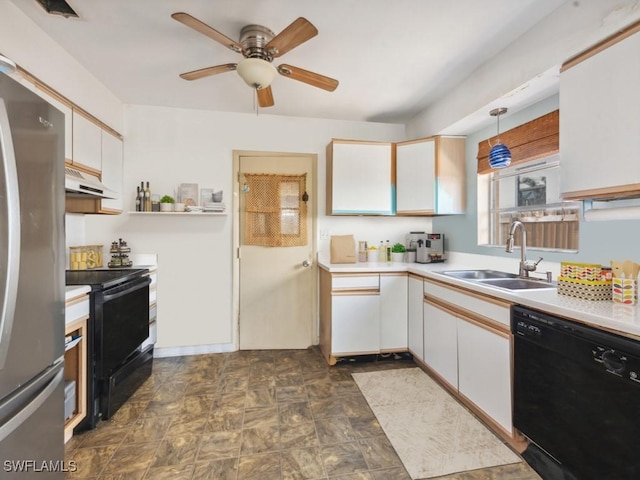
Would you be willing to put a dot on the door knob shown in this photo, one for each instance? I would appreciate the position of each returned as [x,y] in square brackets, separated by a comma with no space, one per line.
[306,263]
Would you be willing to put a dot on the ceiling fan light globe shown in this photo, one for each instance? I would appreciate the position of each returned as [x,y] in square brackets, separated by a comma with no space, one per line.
[256,73]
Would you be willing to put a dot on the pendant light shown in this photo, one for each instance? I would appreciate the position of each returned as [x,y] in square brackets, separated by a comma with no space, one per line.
[500,155]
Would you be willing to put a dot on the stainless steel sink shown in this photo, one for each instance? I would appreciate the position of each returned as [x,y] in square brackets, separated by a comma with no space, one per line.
[517,283]
[479,274]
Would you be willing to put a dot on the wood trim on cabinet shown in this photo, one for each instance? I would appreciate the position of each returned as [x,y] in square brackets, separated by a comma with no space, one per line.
[471,317]
[416,276]
[600,46]
[619,191]
[408,213]
[532,140]
[355,291]
[62,99]
[325,315]
[75,368]
[471,293]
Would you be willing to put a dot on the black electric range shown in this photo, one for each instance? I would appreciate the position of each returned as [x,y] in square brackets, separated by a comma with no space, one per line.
[118,325]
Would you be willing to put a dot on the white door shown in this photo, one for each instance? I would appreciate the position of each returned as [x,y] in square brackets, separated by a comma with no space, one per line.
[277,284]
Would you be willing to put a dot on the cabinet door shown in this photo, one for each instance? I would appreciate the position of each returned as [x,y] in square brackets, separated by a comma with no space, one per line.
[355,323]
[393,312]
[415,177]
[416,328]
[484,370]
[360,176]
[112,171]
[87,143]
[599,121]
[441,343]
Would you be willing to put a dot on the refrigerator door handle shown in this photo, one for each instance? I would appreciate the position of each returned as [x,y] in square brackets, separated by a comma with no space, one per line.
[10,245]
[28,410]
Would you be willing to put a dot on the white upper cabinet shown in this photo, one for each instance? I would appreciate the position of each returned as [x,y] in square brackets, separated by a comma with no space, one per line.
[360,178]
[87,143]
[600,121]
[430,176]
[112,172]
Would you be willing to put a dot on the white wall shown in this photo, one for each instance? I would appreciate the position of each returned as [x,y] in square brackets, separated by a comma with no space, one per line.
[572,28]
[23,42]
[169,146]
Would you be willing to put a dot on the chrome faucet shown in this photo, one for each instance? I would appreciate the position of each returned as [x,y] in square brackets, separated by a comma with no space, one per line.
[526,266]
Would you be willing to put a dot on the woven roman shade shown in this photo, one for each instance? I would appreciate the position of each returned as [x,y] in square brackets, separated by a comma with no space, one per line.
[535,139]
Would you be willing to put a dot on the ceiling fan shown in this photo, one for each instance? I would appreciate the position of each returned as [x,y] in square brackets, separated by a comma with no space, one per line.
[259,46]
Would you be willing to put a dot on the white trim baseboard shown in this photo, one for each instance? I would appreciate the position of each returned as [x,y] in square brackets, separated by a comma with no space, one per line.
[163,352]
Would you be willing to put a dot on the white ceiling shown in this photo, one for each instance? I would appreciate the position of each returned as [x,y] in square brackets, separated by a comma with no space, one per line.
[392,58]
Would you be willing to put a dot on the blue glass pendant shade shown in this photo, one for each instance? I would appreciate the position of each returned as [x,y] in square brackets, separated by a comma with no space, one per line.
[499,156]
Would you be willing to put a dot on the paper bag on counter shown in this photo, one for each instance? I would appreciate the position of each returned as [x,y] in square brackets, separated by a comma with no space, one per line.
[343,249]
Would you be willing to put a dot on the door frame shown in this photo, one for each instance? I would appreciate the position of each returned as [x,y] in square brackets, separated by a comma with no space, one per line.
[236,238]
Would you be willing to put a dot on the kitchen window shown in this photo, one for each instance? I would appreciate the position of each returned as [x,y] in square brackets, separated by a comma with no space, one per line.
[530,192]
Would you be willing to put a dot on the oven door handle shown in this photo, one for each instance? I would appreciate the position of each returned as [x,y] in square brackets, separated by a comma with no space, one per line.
[126,289]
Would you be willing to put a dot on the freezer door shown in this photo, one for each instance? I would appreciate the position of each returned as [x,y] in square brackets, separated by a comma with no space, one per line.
[31,430]
[31,235]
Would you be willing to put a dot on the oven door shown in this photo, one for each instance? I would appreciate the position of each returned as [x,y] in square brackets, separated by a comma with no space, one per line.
[122,325]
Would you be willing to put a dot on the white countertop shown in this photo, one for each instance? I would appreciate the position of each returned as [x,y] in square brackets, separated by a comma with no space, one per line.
[607,315]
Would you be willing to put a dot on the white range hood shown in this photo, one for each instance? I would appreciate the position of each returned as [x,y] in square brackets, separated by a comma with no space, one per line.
[77,183]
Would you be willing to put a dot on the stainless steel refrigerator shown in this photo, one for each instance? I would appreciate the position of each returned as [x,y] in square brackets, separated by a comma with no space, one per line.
[31,285]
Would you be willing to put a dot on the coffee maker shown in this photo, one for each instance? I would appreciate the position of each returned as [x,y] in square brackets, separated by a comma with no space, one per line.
[429,247]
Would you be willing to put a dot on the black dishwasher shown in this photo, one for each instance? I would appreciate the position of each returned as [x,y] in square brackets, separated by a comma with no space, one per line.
[577,394]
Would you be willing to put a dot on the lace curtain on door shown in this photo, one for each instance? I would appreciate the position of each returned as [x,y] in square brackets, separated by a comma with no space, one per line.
[275,213]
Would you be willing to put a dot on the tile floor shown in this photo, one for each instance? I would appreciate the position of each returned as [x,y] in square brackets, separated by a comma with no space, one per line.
[249,415]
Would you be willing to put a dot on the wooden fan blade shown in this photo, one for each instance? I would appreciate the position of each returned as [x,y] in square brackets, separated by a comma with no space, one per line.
[207,72]
[311,78]
[205,29]
[265,97]
[298,32]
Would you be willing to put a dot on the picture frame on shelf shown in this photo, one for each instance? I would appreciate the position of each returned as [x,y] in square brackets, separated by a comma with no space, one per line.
[205,195]
[188,194]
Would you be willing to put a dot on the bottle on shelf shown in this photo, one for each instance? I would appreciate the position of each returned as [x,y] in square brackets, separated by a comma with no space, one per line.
[387,251]
[142,197]
[147,199]
[138,200]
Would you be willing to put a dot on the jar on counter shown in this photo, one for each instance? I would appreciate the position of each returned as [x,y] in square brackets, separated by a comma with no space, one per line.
[78,258]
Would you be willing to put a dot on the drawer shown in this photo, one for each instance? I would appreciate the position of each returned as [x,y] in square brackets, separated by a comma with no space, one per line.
[474,303]
[76,308]
[346,282]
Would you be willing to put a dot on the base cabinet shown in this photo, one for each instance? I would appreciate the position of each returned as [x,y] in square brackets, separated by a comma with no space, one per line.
[75,359]
[441,343]
[484,370]
[362,313]
[468,345]
[393,312]
[415,317]
[356,323]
